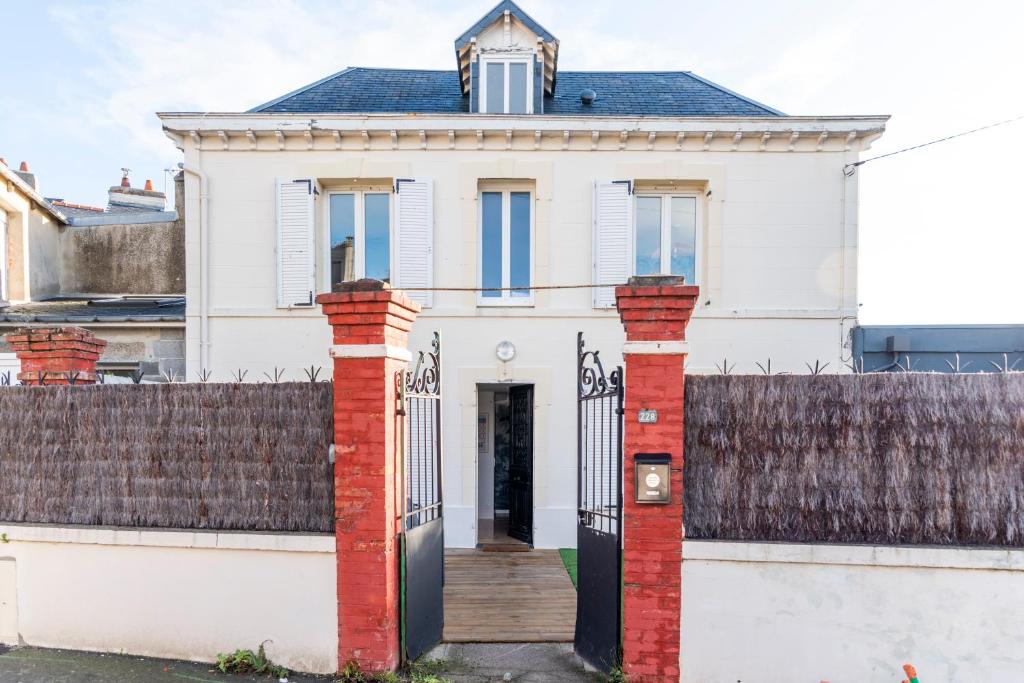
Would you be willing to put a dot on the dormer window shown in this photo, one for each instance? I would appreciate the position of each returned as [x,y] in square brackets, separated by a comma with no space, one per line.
[507,85]
[507,62]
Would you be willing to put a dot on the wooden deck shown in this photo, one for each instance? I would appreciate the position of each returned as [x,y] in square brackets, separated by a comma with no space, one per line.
[494,597]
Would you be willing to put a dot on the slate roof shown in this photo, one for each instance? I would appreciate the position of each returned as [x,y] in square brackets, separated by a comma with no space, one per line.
[84,311]
[619,93]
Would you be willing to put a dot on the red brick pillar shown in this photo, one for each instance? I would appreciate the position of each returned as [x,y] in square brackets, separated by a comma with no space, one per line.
[655,312]
[371,324]
[56,355]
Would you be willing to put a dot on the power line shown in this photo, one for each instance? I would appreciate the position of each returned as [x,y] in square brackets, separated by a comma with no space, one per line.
[504,289]
[849,168]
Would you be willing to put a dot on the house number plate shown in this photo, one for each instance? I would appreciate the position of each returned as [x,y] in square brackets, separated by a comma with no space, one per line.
[647,416]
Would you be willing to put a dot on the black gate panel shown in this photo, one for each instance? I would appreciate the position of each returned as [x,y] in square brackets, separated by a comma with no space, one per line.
[424,587]
[520,469]
[422,514]
[597,610]
[599,522]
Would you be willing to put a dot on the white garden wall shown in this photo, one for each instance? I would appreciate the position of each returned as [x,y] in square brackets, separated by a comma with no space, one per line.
[176,594]
[765,612]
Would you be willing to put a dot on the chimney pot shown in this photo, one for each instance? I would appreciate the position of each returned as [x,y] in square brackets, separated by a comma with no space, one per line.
[149,185]
[124,182]
[24,167]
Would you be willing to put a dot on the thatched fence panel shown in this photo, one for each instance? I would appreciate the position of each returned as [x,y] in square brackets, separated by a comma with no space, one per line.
[877,458]
[193,456]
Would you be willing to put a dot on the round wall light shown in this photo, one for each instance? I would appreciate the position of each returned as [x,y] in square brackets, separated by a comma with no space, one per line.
[505,351]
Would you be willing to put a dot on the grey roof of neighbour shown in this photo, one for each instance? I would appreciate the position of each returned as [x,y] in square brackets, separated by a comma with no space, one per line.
[619,93]
[80,310]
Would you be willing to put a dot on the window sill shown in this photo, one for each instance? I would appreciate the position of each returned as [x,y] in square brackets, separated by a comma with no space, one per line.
[505,303]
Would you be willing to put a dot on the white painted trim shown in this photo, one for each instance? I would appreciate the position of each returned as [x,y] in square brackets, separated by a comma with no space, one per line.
[186,122]
[359,235]
[666,197]
[170,538]
[370,351]
[859,555]
[506,298]
[655,348]
[506,58]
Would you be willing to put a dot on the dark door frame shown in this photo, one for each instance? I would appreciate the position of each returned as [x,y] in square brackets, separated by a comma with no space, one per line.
[520,478]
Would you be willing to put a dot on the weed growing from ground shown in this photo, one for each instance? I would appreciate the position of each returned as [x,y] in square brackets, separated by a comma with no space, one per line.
[249,662]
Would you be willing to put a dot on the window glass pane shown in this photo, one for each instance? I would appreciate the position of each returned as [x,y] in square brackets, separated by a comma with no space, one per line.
[648,235]
[519,242]
[516,89]
[684,238]
[490,240]
[495,87]
[343,237]
[377,233]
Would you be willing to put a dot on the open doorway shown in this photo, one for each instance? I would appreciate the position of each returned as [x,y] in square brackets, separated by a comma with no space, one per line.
[505,467]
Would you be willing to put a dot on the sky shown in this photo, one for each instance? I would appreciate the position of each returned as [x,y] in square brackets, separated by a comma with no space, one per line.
[941,228]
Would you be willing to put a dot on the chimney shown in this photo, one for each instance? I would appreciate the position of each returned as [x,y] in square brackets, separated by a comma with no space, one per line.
[124,198]
[28,176]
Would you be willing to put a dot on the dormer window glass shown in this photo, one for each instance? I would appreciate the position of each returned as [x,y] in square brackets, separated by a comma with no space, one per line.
[506,86]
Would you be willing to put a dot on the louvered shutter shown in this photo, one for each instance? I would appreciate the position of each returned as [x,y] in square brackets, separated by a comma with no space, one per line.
[296,243]
[613,220]
[414,236]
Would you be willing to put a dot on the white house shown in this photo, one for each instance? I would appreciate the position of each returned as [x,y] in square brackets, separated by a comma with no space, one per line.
[502,175]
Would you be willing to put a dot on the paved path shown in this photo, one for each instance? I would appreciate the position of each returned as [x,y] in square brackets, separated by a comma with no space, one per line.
[463,663]
[502,597]
[36,665]
[519,662]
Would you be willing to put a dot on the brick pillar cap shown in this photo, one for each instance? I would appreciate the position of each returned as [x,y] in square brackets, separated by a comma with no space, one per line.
[366,290]
[656,307]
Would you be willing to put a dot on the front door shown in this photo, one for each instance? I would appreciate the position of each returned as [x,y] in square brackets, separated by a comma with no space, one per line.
[520,469]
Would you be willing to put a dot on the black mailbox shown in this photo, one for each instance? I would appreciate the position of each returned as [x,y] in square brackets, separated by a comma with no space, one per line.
[653,478]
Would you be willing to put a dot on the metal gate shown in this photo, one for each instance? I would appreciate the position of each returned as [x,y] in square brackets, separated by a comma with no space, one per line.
[419,391]
[599,523]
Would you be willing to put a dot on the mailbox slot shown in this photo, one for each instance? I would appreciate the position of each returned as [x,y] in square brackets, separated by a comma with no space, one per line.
[653,478]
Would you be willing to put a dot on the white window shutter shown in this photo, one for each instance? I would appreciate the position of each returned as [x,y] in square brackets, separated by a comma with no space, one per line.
[296,243]
[613,220]
[414,237]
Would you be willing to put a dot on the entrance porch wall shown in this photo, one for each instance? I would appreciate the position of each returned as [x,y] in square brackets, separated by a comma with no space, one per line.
[655,312]
[370,324]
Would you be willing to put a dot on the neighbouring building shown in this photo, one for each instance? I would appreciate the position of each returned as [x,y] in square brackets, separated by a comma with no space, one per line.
[118,271]
[487,183]
[938,348]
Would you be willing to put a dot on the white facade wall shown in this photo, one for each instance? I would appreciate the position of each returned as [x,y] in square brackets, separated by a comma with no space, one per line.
[176,594]
[777,264]
[772,612]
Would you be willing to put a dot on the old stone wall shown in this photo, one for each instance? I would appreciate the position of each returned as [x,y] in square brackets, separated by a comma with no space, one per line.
[138,258]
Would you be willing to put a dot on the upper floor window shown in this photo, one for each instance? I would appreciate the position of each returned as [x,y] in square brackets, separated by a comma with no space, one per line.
[506,86]
[360,234]
[506,246]
[665,240]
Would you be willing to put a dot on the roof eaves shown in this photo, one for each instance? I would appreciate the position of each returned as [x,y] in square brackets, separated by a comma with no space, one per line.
[257,109]
[31,193]
[712,84]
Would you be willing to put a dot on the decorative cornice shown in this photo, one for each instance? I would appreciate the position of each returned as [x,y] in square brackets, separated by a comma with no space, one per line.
[242,132]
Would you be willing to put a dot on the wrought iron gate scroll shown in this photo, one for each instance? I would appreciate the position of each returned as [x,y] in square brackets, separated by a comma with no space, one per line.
[599,522]
[419,392]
